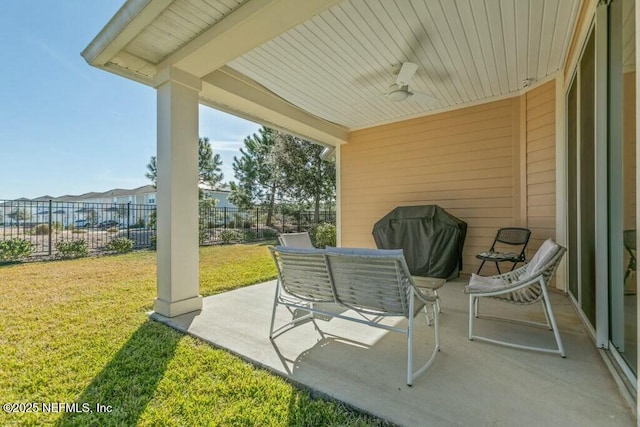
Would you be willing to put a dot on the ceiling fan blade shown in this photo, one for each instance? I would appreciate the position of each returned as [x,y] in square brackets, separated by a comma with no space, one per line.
[423,98]
[406,73]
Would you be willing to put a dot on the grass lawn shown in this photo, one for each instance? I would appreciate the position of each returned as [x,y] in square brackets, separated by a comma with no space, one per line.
[77,332]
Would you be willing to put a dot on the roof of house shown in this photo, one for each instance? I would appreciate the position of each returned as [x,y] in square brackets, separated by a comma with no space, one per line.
[115,192]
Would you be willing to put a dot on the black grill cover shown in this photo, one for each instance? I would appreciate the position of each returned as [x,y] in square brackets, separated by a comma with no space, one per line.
[430,237]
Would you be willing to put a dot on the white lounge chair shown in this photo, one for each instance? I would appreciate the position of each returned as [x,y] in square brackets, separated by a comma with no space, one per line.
[525,285]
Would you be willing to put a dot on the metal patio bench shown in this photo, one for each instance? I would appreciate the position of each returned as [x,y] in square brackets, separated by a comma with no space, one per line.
[514,236]
[525,285]
[372,283]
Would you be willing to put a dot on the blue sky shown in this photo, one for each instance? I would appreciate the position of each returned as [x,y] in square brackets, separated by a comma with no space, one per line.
[69,128]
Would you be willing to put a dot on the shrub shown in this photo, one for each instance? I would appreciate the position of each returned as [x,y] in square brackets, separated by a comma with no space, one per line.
[228,235]
[269,233]
[120,245]
[203,232]
[113,230]
[78,231]
[71,227]
[15,249]
[324,235]
[41,230]
[72,248]
[249,235]
[57,226]
[154,242]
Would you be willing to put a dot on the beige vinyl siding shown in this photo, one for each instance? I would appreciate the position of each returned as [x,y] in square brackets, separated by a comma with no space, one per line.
[540,174]
[461,160]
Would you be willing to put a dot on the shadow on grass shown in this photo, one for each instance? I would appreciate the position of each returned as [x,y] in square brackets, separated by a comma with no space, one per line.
[129,380]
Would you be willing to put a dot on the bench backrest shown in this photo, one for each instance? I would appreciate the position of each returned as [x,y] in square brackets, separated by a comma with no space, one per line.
[371,281]
[303,273]
[296,240]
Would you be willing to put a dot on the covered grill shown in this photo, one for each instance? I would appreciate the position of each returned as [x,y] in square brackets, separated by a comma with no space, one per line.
[431,239]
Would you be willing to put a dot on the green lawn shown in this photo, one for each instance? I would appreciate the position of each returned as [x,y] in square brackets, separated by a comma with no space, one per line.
[77,331]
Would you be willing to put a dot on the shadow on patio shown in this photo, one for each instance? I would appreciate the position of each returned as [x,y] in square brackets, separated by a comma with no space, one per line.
[470,383]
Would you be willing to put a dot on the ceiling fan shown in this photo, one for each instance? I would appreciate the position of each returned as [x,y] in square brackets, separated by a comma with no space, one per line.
[399,91]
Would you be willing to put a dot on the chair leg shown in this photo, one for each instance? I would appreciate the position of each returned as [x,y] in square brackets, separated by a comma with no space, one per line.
[273,312]
[471,315]
[476,307]
[554,325]
[410,342]
[546,314]
[481,264]
[498,267]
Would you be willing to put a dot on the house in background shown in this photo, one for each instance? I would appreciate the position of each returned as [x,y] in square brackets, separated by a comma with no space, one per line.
[510,113]
[95,207]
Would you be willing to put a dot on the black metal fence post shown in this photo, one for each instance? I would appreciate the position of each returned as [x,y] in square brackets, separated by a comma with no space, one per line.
[50,226]
[257,220]
[128,220]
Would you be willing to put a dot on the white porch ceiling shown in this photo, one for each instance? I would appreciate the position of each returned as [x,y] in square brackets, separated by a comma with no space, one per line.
[335,64]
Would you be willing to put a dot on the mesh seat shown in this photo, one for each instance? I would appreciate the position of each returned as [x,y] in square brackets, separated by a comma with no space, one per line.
[514,236]
[629,241]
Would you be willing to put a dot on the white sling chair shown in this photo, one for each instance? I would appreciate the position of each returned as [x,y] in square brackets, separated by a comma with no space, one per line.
[525,285]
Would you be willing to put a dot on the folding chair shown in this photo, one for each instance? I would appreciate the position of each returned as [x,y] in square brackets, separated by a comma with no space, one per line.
[514,236]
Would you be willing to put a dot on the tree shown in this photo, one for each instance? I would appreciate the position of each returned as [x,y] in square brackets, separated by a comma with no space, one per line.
[307,177]
[209,172]
[258,175]
[275,165]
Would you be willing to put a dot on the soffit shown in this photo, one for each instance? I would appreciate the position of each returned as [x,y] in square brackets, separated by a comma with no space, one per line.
[181,22]
[337,64]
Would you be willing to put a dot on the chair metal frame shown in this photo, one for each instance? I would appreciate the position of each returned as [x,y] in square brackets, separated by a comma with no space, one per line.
[507,235]
[521,289]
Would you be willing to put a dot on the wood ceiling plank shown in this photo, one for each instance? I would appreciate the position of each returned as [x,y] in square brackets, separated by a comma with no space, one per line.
[445,32]
[548,28]
[508,10]
[494,14]
[470,23]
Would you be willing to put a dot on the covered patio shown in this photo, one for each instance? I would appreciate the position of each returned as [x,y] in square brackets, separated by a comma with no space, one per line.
[504,113]
[470,383]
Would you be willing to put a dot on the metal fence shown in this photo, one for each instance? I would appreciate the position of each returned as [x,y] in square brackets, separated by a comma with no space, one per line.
[46,223]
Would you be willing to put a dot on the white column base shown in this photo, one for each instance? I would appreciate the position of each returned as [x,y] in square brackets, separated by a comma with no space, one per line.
[176,308]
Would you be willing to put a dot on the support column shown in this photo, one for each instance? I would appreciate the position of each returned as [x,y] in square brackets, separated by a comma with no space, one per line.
[177,195]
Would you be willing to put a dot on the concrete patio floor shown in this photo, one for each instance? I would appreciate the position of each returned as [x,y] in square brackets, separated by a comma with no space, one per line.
[470,383]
